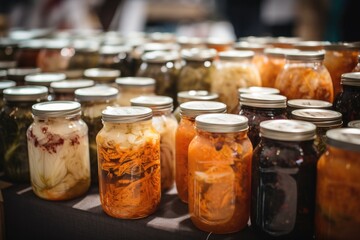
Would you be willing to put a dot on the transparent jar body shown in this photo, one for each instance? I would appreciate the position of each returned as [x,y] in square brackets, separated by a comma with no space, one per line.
[63,96]
[271,69]
[59,157]
[184,135]
[54,60]
[348,103]
[220,181]
[27,57]
[320,139]
[229,76]
[195,75]
[305,80]
[129,169]
[283,188]
[126,93]
[337,195]
[120,61]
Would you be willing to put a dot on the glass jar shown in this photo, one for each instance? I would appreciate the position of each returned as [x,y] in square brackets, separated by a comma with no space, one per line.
[58,147]
[284,42]
[45,79]
[284,180]
[306,103]
[190,42]
[354,124]
[357,67]
[324,120]
[116,57]
[18,74]
[93,101]
[220,173]
[219,44]
[28,52]
[8,49]
[184,134]
[305,76]
[15,118]
[348,101]
[3,85]
[261,107]
[340,58]
[3,74]
[311,45]
[65,90]
[132,87]
[164,123]
[105,76]
[129,163]
[195,73]
[337,189]
[232,71]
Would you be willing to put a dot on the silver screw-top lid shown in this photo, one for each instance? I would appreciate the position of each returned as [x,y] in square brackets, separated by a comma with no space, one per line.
[135,82]
[160,56]
[319,117]
[102,74]
[308,103]
[56,109]
[196,95]
[69,86]
[157,103]
[256,47]
[236,55]
[311,44]
[198,54]
[263,100]
[221,123]
[351,79]
[7,64]
[56,44]
[22,71]
[305,55]
[354,124]
[344,138]
[278,52]
[44,79]
[287,130]
[25,93]
[114,50]
[195,108]
[190,41]
[126,114]
[96,93]
[258,90]
[6,84]
[3,73]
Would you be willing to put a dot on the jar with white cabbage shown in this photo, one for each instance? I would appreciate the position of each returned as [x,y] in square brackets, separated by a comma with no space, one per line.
[58,148]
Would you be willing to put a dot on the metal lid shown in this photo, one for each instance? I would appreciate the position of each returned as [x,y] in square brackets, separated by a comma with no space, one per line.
[221,122]
[152,47]
[56,109]
[311,44]
[56,44]
[263,100]
[195,108]
[279,52]
[256,39]
[22,71]
[8,42]
[126,114]
[69,86]
[258,90]
[162,37]
[196,95]
[340,46]
[344,138]
[7,64]
[160,56]
[6,84]
[102,74]
[85,46]
[236,55]
[114,50]
[305,55]
[287,130]
[44,79]
[351,79]
[25,93]
[190,41]
[354,124]
[308,103]
[243,45]
[219,41]
[319,117]
[198,54]
[135,82]
[157,103]
[32,44]
[96,93]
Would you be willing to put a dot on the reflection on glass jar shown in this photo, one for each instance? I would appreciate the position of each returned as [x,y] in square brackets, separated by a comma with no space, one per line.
[65,90]
[18,74]
[132,87]
[116,57]
[3,85]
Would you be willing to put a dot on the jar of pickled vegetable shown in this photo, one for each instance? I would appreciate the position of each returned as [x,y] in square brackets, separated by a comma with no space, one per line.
[116,57]
[261,107]
[132,87]
[45,79]
[164,123]
[306,103]
[357,67]
[305,76]
[129,163]
[284,180]
[58,139]
[18,74]
[284,42]
[105,76]
[15,118]
[324,120]
[220,173]
[354,124]
[65,90]
[232,71]
[93,101]
[3,85]
[348,101]
[337,189]
[184,134]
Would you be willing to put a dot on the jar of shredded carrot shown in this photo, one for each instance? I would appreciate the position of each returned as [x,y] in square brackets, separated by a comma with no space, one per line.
[184,134]
[129,163]
[220,173]
[305,76]
[337,214]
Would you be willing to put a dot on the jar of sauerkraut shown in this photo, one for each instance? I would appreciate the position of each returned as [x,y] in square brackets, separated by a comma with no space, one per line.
[164,123]
[184,134]
[93,101]
[65,90]
[132,87]
[129,163]
[220,173]
[232,71]
[58,147]
[337,187]
[305,76]
[306,103]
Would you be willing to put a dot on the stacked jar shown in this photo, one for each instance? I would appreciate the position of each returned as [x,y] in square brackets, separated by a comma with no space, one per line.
[132,87]
[295,104]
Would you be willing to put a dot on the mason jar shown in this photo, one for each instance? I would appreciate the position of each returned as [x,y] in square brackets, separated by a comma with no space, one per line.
[65,90]
[354,124]
[220,173]
[219,44]
[58,148]
[105,76]
[45,79]
[190,42]
[295,104]
[15,118]
[18,74]
[116,57]
[132,87]
[3,85]
[129,163]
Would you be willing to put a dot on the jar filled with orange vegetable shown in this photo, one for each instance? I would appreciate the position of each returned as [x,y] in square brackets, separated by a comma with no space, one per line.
[220,173]
[337,213]
[305,76]
[129,163]
[184,134]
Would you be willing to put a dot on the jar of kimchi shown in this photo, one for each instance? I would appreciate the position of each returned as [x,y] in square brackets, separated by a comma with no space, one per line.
[219,173]
[132,87]
[337,189]
[306,103]
[58,147]
[129,163]
[305,76]
[184,134]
